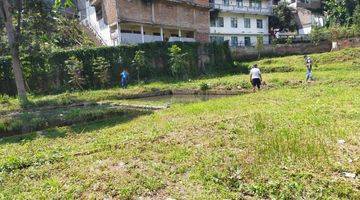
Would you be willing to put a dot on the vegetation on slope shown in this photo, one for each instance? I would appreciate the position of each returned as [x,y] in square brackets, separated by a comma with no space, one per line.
[328,66]
[290,143]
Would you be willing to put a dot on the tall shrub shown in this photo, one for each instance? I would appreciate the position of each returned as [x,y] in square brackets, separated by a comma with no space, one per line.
[259,44]
[101,71]
[75,71]
[139,62]
[178,62]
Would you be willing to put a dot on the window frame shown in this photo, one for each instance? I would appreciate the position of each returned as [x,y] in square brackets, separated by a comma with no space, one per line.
[261,23]
[247,43]
[234,22]
[232,41]
[245,22]
[240,3]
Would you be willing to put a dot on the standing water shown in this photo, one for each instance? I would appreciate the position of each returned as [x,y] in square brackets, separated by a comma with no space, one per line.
[171,99]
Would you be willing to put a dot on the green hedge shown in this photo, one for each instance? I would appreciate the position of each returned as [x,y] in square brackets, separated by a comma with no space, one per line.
[47,73]
[7,84]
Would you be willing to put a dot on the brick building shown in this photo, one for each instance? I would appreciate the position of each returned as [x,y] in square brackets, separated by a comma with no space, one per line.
[139,21]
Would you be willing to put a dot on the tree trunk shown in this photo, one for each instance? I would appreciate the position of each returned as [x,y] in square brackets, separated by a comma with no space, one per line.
[5,13]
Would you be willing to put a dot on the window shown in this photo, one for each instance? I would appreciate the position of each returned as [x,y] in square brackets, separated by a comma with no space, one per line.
[226,2]
[247,23]
[247,41]
[234,22]
[217,39]
[212,22]
[217,22]
[98,10]
[220,22]
[255,3]
[239,3]
[259,23]
[234,41]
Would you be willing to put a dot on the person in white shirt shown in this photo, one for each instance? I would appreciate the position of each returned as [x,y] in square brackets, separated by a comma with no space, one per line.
[255,77]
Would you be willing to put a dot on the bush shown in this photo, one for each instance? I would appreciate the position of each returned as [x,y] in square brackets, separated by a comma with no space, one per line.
[178,62]
[259,44]
[101,72]
[4,99]
[277,69]
[204,87]
[139,62]
[317,34]
[75,71]
[48,73]
[241,68]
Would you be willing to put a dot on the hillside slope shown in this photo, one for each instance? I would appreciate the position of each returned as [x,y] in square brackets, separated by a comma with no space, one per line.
[294,141]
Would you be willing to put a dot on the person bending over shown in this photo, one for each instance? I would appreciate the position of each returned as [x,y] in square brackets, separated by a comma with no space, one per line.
[255,77]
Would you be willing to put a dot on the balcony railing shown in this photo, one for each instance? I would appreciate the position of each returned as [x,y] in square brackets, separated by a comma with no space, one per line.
[135,38]
[182,39]
[242,9]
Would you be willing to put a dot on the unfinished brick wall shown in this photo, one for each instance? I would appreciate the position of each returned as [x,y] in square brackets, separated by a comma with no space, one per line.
[109,11]
[168,14]
[202,2]
[202,21]
[202,37]
[135,10]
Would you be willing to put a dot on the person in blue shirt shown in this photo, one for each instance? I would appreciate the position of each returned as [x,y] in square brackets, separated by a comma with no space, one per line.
[124,78]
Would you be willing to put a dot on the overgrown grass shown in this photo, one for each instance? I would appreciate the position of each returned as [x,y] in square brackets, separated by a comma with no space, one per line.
[280,144]
[34,121]
[326,63]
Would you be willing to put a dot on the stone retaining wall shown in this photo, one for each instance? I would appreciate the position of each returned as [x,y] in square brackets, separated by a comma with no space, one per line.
[249,53]
[348,43]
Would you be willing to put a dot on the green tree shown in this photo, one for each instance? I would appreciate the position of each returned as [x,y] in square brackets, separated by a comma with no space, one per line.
[178,62]
[75,71]
[11,17]
[356,16]
[139,62]
[315,35]
[101,71]
[283,18]
[13,34]
[259,45]
[340,11]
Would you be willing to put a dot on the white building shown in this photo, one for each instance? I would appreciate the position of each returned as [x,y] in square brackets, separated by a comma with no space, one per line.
[240,21]
[304,16]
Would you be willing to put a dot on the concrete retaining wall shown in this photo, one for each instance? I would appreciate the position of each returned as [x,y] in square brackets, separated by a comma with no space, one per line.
[249,53]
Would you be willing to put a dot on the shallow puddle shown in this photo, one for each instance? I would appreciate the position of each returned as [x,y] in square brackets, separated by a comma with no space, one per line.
[171,99]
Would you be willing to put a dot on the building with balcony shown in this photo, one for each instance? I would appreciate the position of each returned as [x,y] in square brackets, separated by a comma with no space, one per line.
[240,21]
[139,21]
[306,14]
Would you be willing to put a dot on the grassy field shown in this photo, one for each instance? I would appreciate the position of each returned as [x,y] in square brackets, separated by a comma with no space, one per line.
[334,64]
[294,141]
